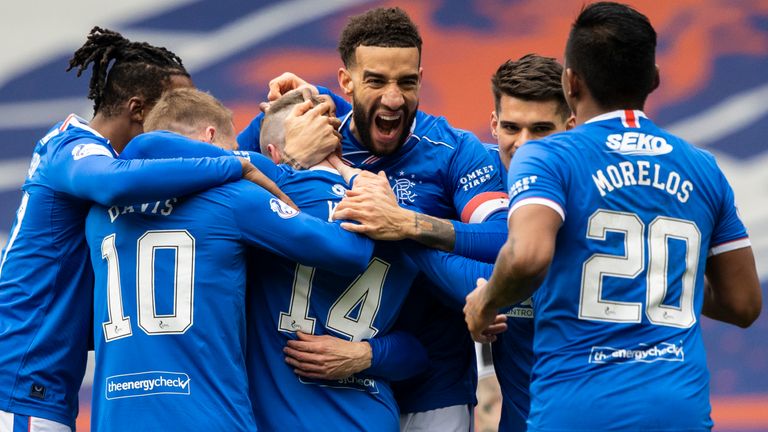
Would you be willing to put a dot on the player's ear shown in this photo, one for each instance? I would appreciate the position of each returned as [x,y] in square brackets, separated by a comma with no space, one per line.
[274,153]
[656,78]
[570,84]
[571,122]
[137,110]
[209,134]
[345,81]
[494,124]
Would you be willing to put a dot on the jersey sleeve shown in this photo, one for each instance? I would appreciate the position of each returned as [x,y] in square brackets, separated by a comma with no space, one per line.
[729,232]
[95,175]
[264,164]
[164,144]
[397,355]
[248,138]
[266,222]
[481,241]
[476,183]
[168,145]
[455,276]
[537,176]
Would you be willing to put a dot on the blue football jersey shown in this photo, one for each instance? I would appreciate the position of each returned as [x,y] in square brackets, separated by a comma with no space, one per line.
[45,276]
[513,350]
[443,172]
[287,297]
[169,302]
[617,337]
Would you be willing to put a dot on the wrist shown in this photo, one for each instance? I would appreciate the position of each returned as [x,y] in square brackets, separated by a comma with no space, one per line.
[410,225]
[487,300]
[364,355]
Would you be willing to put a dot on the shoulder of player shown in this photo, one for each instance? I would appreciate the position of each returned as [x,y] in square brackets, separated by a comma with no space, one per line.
[73,130]
[436,132]
[78,144]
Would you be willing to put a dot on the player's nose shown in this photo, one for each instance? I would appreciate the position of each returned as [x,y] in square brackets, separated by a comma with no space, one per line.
[523,137]
[392,98]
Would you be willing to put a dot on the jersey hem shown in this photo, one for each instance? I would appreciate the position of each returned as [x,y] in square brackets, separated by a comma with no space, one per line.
[436,404]
[22,408]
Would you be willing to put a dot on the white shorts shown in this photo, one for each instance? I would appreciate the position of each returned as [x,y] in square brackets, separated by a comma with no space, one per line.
[10,422]
[456,418]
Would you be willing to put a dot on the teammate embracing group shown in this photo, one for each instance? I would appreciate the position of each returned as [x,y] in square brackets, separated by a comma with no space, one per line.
[328,269]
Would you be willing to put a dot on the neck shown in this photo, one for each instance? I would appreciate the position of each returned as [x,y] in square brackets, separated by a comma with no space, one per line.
[353,129]
[588,109]
[116,129]
[324,163]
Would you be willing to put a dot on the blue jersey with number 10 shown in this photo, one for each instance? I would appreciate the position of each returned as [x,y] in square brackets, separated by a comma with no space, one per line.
[45,277]
[617,337]
[169,302]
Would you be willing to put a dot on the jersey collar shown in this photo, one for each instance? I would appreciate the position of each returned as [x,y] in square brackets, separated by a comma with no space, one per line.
[323,168]
[629,118]
[73,120]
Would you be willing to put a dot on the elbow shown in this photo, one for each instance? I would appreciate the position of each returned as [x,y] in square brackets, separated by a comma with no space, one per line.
[110,196]
[749,314]
[354,261]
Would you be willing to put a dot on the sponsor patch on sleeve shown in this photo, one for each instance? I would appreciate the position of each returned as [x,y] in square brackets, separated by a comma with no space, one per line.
[84,150]
[282,209]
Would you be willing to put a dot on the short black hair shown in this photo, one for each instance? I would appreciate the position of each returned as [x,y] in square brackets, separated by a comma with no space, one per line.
[380,27]
[122,69]
[613,48]
[531,78]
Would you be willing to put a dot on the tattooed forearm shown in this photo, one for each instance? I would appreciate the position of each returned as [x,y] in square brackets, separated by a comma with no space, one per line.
[434,232]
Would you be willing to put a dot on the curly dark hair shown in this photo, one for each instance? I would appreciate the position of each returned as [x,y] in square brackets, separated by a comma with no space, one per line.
[380,27]
[531,78]
[122,69]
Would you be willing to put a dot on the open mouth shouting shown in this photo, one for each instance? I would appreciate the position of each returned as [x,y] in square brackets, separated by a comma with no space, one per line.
[387,127]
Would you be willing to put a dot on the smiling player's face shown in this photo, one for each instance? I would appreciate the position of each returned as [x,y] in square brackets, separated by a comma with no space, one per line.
[519,121]
[384,86]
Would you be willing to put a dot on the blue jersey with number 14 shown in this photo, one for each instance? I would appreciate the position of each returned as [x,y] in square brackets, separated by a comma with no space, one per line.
[292,297]
[617,337]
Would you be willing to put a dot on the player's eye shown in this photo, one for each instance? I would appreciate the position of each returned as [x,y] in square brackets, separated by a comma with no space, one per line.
[539,130]
[375,82]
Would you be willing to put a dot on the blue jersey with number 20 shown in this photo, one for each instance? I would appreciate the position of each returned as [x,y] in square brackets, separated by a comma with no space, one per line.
[617,337]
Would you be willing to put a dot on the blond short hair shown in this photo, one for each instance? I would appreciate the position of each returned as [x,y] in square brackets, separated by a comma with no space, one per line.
[187,111]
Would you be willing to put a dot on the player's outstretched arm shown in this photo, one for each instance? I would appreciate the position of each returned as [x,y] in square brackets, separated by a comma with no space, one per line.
[165,145]
[372,204]
[453,275]
[394,356]
[732,288]
[397,356]
[97,176]
[520,267]
[266,222]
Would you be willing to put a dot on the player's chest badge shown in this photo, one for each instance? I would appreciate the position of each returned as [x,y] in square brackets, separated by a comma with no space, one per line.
[403,186]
